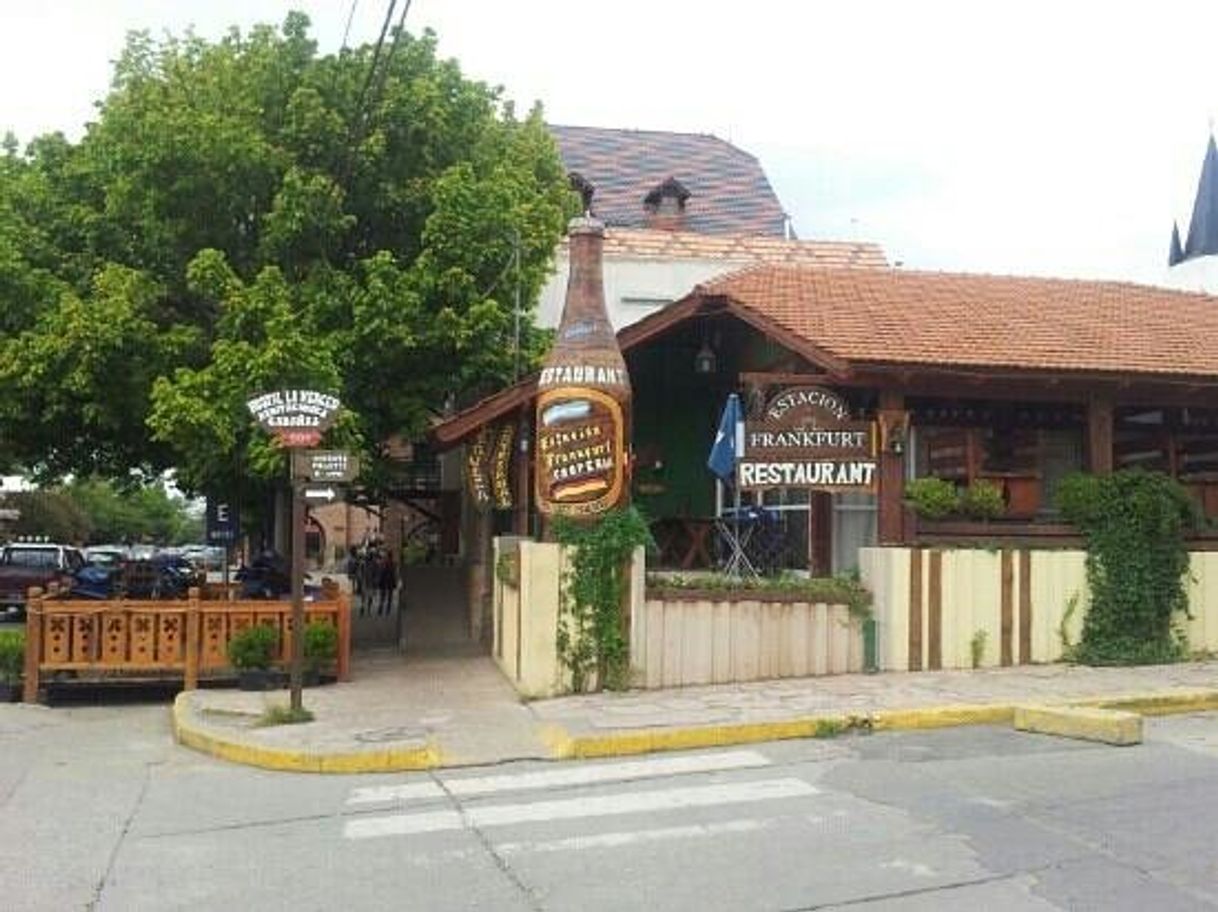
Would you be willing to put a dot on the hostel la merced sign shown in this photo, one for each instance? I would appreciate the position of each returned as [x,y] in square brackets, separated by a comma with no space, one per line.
[805,438]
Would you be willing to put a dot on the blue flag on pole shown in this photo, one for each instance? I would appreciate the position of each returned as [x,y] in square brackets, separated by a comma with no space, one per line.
[729,442]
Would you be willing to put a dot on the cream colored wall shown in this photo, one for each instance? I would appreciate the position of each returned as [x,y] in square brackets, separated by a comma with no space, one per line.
[525,643]
[681,642]
[972,601]
[885,572]
[1058,577]
[972,585]
[1203,601]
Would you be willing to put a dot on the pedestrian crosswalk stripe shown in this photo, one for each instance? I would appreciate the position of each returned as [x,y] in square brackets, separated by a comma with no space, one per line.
[580,807]
[634,837]
[559,778]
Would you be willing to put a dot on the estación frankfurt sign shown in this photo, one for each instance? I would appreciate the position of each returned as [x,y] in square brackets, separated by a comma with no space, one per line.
[806,439]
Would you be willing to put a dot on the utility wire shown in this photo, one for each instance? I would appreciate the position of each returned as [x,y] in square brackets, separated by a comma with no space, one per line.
[347,30]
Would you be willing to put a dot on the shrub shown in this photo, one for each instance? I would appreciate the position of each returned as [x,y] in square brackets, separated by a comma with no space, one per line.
[591,631]
[253,647]
[1134,522]
[983,500]
[320,644]
[932,498]
[844,589]
[12,655]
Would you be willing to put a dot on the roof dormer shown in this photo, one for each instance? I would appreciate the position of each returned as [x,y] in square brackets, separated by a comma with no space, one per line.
[665,205]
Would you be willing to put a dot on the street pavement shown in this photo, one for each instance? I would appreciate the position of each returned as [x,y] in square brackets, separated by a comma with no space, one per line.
[100,810]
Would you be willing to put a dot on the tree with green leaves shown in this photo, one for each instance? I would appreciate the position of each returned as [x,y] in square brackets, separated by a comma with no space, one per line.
[247,214]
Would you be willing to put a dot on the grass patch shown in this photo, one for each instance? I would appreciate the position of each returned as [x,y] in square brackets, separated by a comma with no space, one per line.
[284,715]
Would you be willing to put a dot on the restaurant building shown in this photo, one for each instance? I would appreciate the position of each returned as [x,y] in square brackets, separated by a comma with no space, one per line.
[1018,381]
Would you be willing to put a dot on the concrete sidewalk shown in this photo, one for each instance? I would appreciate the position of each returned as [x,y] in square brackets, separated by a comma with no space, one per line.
[411,712]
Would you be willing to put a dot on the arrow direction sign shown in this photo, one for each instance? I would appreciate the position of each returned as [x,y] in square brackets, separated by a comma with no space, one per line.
[325,495]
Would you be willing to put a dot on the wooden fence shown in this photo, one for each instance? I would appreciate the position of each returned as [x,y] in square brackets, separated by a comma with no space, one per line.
[680,637]
[160,639]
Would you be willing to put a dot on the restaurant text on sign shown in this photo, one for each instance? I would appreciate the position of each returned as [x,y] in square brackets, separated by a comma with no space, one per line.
[805,439]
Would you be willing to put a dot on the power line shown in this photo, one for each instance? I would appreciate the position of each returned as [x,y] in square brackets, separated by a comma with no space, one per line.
[347,30]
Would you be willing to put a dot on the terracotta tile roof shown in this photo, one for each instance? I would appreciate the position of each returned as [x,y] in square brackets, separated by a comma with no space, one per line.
[729,193]
[984,321]
[675,245]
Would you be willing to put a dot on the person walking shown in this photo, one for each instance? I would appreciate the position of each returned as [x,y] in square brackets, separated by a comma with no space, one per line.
[387,581]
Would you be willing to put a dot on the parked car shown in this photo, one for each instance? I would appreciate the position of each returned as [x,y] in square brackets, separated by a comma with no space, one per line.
[26,564]
[106,555]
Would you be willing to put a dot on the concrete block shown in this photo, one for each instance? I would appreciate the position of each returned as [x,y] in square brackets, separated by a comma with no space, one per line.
[1108,726]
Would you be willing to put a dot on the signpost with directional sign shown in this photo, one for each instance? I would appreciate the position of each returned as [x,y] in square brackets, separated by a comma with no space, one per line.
[325,465]
[297,418]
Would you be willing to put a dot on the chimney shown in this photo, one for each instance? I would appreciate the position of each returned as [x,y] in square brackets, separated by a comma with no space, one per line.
[665,205]
[583,403]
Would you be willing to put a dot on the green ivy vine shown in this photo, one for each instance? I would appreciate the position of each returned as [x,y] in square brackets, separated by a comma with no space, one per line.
[591,626]
[1135,523]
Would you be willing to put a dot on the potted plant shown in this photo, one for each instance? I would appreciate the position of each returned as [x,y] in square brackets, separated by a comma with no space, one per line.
[932,498]
[250,652]
[320,649]
[12,664]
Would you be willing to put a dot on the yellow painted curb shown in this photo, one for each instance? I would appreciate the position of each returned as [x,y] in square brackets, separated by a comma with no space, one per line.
[1086,723]
[646,741]
[564,745]
[942,716]
[1161,703]
[389,760]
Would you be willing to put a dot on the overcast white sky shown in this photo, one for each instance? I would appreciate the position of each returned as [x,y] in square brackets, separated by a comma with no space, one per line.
[1037,138]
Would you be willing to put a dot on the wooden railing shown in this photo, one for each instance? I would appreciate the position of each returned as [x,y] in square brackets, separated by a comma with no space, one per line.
[160,639]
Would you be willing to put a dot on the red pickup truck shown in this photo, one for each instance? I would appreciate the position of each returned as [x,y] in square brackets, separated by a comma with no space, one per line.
[26,564]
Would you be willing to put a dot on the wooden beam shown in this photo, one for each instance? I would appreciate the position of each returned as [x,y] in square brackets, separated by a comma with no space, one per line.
[892,471]
[780,378]
[1099,435]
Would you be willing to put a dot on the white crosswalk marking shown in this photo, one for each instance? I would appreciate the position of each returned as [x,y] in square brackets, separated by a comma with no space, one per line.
[559,778]
[634,837]
[581,807]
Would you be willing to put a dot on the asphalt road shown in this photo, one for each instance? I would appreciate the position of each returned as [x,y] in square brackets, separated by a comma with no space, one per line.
[99,810]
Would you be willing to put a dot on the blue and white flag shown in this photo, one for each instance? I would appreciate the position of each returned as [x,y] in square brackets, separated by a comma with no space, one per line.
[729,442]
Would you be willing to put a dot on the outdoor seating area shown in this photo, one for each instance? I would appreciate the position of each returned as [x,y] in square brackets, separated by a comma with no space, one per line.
[71,640]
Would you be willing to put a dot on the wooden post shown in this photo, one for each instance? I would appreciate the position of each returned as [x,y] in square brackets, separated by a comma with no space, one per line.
[344,637]
[33,643]
[191,681]
[1099,435]
[523,460]
[892,471]
[296,666]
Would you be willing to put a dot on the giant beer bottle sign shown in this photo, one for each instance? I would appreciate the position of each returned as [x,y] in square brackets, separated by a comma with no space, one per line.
[583,403]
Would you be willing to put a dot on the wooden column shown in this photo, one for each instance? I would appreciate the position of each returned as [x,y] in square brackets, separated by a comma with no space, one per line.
[1099,435]
[892,471]
[33,644]
[524,458]
[344,637]
[191,640]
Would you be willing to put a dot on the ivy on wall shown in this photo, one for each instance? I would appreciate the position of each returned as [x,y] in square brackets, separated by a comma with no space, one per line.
[592,640]
[1135,524]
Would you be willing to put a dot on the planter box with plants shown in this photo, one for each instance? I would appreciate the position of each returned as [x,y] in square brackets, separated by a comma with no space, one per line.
[12,664]
[320,650]
[251,652]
